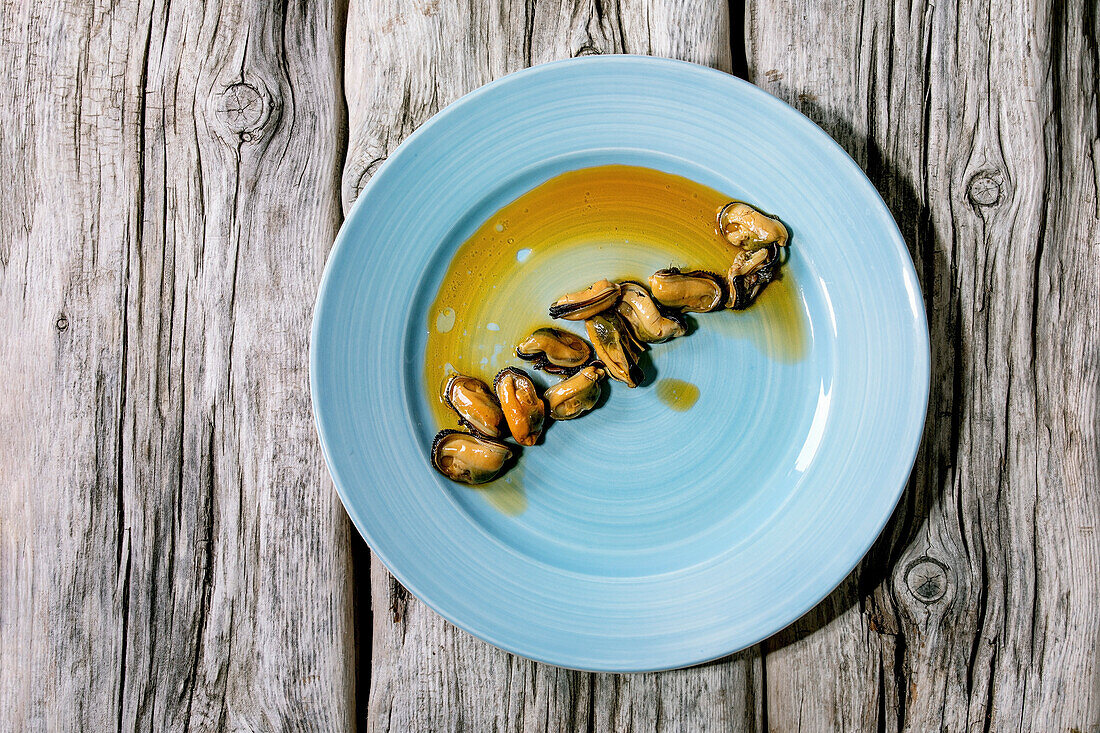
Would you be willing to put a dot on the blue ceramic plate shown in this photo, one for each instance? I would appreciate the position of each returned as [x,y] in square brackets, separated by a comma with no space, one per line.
[651,538]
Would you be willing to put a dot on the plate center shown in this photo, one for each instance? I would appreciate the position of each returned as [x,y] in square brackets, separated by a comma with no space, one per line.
[683,468]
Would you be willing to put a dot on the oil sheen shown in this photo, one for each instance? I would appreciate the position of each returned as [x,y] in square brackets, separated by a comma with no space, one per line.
[615,222]
[677,394]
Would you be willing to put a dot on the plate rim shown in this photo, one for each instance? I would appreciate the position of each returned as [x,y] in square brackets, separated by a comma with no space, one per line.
[922,375]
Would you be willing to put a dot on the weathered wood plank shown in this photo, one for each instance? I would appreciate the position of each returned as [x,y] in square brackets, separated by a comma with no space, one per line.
[978,123]
[406,60]
[172,554]
[71,181]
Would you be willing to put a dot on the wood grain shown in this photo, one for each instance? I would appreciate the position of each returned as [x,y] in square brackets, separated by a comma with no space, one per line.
[172,554]
[978,123]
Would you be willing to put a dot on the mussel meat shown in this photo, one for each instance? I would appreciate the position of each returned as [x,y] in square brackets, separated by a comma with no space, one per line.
[615,347]
[747,228]
[749,274]
[468,458]
[576,395]
[596,298]
[523,409]
[555,350]
[475,404]
[697,291]
[645,318]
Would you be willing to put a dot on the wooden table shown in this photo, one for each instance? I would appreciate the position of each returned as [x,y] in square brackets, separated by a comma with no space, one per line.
[172,553]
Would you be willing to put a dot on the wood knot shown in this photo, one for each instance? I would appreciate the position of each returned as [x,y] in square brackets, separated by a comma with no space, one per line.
[587,49]
[985,189]
[62,323]
[243,108]
[364,176]
[927,579]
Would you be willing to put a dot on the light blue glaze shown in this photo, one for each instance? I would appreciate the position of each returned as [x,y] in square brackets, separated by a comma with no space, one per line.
[651,538]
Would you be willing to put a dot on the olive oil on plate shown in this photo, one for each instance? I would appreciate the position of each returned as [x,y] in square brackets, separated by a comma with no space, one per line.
[616,222]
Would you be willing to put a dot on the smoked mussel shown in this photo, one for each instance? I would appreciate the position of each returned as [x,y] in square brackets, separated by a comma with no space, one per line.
[594,299]
[745,227]
[523,408]
[615,347]
[648,322]
[469,458]
[620,319]
[749,274]
[576,395]
[475,404]
[697,291]
[555,350]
